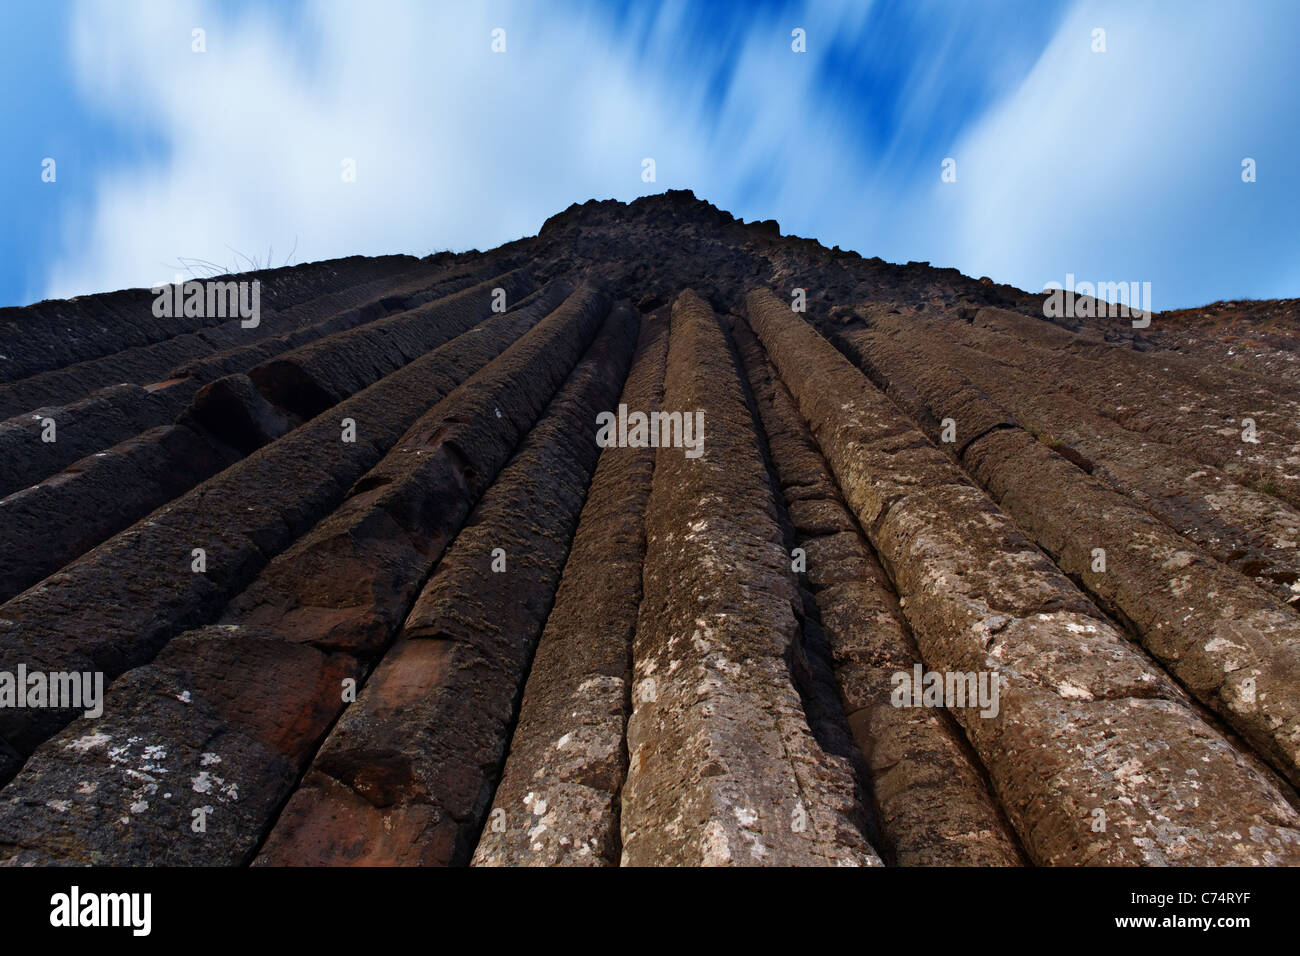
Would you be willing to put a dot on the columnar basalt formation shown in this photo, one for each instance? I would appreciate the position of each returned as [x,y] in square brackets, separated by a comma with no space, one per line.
[559,792]
[658,538]
[933,804]
[407,773]
[722,767]
[1234,646]
[1073,731]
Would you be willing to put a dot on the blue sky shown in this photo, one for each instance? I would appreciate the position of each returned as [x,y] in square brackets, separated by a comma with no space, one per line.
[1116,165]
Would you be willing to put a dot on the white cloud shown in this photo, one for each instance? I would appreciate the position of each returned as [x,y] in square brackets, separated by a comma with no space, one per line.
[455,146]
[1115,166]
[1125,165]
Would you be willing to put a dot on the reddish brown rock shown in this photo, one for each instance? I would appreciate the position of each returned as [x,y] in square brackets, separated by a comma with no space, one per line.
[116,606]
[405,776]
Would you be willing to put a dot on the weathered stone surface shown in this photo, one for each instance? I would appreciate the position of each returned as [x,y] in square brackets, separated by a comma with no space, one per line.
[773,718]
[234,411]
[980,599]
[1198,410]
[1251,532]
[93,499]
[558,796]
[101,419]
[118,412]
[1243,335]
[1234,646]
[151,362]
[932,804]
[60,332]
[243,680]
[413,762]
[337,312]
[348,583]
[316,376]
[218,723]
[114,607]
[723,769]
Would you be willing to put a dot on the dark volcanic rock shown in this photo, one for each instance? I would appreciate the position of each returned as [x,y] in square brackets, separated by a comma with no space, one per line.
[363,587]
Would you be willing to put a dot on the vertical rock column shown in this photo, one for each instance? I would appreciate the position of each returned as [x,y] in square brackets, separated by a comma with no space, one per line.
[407,774]
[932,802]
[115,607]
[1254,533]
[559,796]
[255,694]
[1234,646]
[1096,756]
[723,769]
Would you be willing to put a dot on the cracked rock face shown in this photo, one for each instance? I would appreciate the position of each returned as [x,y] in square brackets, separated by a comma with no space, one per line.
[598,549]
